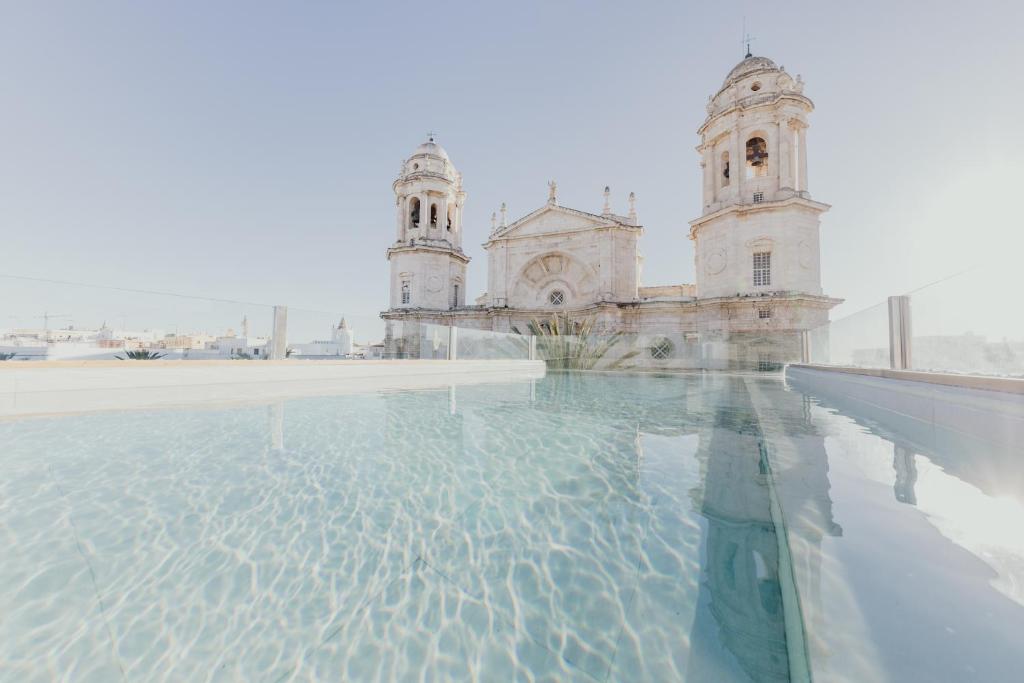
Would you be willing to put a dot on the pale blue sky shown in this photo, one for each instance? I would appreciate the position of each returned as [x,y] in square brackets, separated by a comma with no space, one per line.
[246,150]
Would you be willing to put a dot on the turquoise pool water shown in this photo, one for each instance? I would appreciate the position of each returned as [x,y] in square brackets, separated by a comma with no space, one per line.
[602,527]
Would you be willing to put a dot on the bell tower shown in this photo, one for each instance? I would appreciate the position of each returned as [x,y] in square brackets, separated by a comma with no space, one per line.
[428,267]
[759,229]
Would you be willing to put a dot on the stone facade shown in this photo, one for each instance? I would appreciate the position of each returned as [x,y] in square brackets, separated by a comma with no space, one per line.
[756,243]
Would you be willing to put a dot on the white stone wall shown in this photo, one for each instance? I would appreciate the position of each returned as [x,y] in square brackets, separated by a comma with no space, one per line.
[725,246]
[432,276]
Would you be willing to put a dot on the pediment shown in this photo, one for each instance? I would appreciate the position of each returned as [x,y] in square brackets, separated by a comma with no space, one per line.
[553,219]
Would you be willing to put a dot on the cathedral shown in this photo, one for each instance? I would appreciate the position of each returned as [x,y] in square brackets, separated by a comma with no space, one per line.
[756,241]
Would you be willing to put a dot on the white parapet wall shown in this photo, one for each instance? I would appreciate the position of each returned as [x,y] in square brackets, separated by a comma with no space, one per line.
[47,388]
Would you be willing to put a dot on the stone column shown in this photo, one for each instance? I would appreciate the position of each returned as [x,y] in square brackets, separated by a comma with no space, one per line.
[442,218]
[457,224]
[708,164]
[737,164]
[802,137]
[774,157]
[785,155]
[401,219]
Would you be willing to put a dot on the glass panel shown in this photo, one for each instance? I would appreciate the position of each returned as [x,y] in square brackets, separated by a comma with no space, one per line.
[859,340]
[488,345]
[970,323]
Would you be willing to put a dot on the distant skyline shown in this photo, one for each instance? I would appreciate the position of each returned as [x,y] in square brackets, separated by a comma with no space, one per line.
[246,150]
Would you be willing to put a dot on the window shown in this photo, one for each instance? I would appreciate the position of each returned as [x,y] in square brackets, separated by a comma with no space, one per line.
[455,296]
[414,212]
[764,313]
[255,352]
[762,268]
[433,215]
[557,297]
[756,86]
[725,169]
[661,349]
[757,157]
[451,210]
[405,291]
[758,197]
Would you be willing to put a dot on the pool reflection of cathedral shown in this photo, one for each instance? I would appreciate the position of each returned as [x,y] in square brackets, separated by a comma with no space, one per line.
[730,599]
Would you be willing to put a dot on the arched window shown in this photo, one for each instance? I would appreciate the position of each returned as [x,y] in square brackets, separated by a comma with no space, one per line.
[725,169]
[455,295]
[405,291]
[451,213]
[757,157]
[433,215]
[414,212]
[557,297]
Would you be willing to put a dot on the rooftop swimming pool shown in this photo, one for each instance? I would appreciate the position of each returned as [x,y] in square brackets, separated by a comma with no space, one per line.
[607,527]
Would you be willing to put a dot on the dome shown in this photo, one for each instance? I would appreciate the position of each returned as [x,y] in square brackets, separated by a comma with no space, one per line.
[748,66]
[432,148]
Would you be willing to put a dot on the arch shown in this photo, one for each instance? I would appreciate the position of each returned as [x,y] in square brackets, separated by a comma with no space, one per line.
[757,156]
[536,280]
[414,212]
[725,169]
[433,215]
[451,216]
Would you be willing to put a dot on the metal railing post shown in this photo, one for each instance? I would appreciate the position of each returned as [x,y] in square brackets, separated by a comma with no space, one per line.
[279,334]
[453,342]
[899,333]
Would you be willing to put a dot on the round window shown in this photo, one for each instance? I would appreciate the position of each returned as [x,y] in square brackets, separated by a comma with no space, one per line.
[557,297]
[415,167]
[661,349]
[755,87]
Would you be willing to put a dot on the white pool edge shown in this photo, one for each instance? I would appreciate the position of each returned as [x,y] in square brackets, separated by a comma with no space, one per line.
[58,388]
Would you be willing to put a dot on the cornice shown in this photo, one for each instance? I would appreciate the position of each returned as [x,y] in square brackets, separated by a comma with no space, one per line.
[795,200]
[449,251]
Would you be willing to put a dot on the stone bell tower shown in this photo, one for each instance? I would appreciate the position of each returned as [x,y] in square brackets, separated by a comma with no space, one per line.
[759,230]
[428,267]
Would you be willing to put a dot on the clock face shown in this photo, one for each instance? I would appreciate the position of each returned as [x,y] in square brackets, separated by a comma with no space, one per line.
[715,263]
[434,283]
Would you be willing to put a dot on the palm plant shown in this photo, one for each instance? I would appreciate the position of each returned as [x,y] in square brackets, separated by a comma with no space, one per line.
[565,343]
[140,354]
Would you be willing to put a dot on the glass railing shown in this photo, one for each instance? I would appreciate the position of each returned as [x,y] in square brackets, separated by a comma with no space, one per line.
[670,351]
[859,340]
[970,323]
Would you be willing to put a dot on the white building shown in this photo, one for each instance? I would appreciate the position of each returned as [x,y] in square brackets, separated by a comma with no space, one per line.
[756,241]
[340,345]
